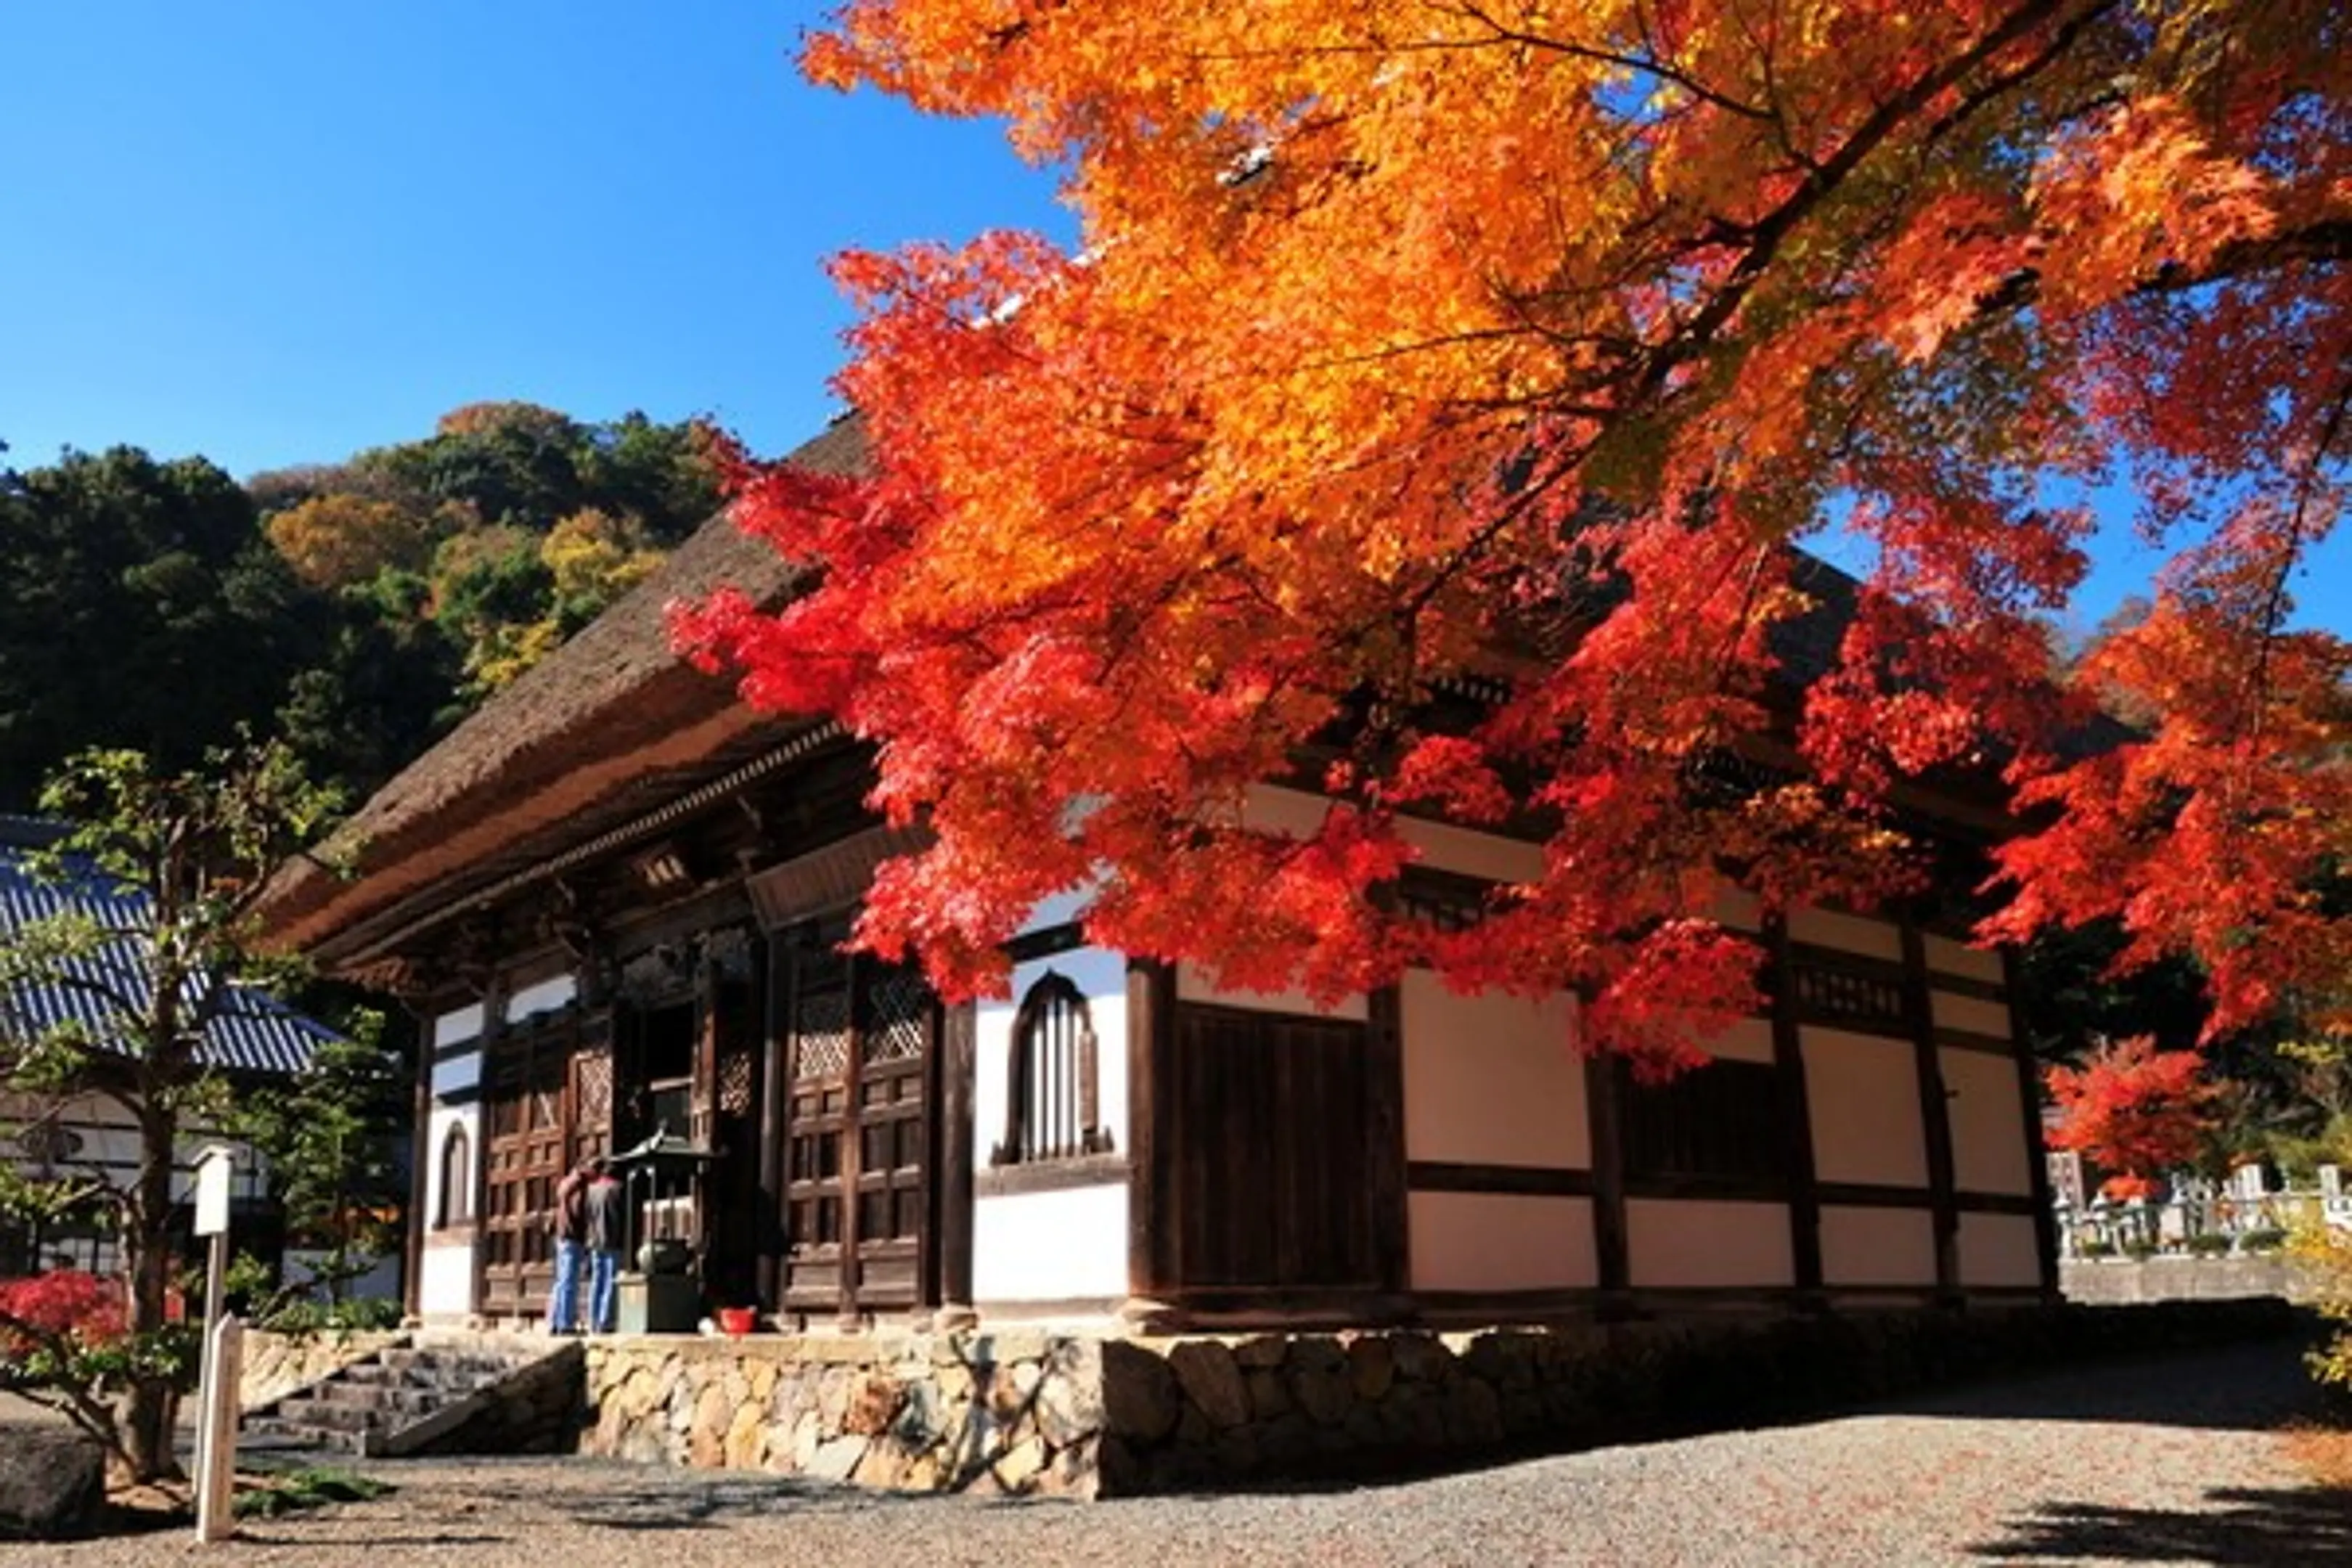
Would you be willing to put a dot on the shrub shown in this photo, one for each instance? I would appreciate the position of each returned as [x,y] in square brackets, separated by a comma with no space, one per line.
[307,1316]
[64,1301]
[2266,1241]
[2207,1245]
[2326,1254]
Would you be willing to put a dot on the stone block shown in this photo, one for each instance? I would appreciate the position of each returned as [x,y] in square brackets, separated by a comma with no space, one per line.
[1269,1395]
[1421,1358]
[1323,1389]
[874,1401]
[1371,1364]
[1264,1351]
[1017,1469]
[1141,1401]
[836,1459]
[52,1486]
[1069,1406]
[1212,1379]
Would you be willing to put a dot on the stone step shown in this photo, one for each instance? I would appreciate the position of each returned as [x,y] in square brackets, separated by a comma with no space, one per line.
[387,1397]
[331,1415]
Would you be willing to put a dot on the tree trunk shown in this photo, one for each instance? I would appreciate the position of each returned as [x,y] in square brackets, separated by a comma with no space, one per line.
[149,1408]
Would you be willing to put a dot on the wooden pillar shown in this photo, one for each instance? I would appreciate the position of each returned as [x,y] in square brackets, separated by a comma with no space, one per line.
[424,1160]
[1934,1113]
[1612,1253]
[1384,1137]
[2029,1100]
[853,1136]
[1153,1256]
[950,1212]
[494,1006]
[773,1060]
[1796,1116]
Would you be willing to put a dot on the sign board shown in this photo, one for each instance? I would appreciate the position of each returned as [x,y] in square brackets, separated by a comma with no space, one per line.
[215,1168]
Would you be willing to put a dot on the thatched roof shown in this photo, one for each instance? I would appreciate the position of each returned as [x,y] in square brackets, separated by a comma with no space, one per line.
[609,725]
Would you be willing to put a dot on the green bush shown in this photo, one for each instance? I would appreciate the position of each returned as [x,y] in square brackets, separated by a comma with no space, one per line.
[2207,1245]
[307,1487]
[309,1317]
[2269,1240]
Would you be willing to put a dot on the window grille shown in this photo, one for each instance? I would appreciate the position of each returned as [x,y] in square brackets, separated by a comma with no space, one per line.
[1051,1101]
[456,1178]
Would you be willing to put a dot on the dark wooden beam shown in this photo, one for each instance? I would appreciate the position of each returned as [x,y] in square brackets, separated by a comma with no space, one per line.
[1150,1136]
[1612,1253]
[955,1150]
[1524,1181]
[2037,1157]
[1796,1111]
[853,1138]
[423,1159]
[1934,1110]
[1384,1156]
[773,1132]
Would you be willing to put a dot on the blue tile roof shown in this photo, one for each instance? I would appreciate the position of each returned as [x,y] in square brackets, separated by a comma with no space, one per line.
[250,1032]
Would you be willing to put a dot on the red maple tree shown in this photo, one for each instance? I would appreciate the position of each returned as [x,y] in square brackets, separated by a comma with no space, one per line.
[1504,351]
[2132,1110]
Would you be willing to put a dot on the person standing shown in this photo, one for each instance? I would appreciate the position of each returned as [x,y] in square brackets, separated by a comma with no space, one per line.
[601,1206]
[570,1240]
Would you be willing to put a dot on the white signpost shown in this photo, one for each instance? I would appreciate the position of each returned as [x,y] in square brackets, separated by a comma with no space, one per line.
[223,1353]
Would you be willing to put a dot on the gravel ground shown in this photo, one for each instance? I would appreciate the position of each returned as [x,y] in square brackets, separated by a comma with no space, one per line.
[2149,1462]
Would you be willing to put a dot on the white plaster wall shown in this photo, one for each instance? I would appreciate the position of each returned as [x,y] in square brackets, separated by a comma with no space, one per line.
[1739,910]
[1675,1242]
[1958,958]
[453,1027]
[456,1074]
[1973,1014]
[1877,1247]
[1862,1094]
[1070,1246]
[1100,975]
[1441,846]
[1749,1040]
[1192,985]
[1988,1153]
[1999,1249]
[107,1143]
[1492,1079]
[436,1133]
[445,1279]
[1499,1241]
[542,996]
[1851,933]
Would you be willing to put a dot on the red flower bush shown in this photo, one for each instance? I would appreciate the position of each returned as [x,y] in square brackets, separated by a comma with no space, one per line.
[62,1301]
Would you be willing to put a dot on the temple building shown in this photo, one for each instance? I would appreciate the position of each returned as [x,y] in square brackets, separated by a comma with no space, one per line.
[618,895]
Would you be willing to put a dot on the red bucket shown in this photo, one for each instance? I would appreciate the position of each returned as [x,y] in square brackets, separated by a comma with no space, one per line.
[738,1320]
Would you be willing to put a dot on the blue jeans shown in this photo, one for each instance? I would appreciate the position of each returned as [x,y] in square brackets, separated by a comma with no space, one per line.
[604,1289]
[563,1306]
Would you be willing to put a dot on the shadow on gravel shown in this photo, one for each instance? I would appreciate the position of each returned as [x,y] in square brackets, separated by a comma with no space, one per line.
[665,1504]
[2256,1387]
[2239,1528]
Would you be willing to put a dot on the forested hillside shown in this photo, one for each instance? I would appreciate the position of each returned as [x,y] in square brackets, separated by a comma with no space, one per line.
[359,607]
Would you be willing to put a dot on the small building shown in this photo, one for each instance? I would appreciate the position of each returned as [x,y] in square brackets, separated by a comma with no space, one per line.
[618,894]
[253,1041]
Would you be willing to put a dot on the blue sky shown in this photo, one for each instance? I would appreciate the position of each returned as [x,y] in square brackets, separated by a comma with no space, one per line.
[276,232]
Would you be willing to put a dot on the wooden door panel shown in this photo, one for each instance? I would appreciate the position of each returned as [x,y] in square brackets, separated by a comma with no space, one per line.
[1273,1155]
[857,1134]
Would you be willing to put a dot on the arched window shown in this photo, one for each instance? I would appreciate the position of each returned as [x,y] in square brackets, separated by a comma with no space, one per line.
[1051,1110]
[456,1178]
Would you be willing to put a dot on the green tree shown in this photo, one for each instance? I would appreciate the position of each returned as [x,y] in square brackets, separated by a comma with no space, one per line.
[165,869]
[329,1140]
[139,607]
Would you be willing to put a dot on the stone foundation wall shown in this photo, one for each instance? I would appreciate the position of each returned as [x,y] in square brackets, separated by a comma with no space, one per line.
[278,1364]
[534,1409]
[1010,1411]
[1036,1412]
[2113,1280]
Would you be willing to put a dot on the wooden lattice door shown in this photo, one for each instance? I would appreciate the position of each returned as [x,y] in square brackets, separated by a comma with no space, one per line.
[524,1157]
[857,1132]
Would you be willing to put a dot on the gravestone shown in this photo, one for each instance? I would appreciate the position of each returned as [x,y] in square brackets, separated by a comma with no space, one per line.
[52,1485]
[2331,1182]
